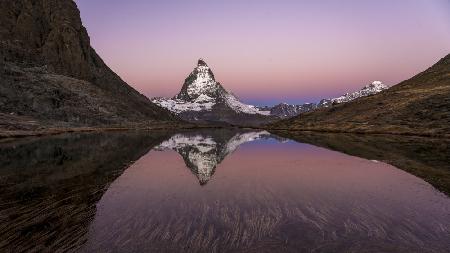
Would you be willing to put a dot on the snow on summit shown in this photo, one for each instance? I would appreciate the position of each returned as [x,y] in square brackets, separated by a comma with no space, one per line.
[370,89]
[284,110]
[201,82]
[201,92]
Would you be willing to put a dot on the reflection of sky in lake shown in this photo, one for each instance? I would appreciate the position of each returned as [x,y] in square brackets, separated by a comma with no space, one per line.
[270,195]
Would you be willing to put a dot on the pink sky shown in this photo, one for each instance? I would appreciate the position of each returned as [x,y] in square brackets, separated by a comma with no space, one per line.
[268,51]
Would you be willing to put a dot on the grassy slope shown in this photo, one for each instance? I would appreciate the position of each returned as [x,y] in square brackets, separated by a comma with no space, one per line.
[420,105]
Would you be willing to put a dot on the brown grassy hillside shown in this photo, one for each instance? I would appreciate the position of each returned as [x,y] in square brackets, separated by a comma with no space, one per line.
[420,105]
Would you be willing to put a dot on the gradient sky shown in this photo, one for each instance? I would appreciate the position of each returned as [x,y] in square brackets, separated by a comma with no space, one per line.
[267,52]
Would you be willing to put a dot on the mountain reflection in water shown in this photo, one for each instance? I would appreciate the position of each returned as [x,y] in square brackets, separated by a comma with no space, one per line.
[203,152]
[134,192]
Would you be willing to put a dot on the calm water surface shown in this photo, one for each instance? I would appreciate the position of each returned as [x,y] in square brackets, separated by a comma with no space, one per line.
[211,191]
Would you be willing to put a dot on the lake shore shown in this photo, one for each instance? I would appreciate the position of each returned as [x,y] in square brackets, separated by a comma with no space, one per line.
[53,130]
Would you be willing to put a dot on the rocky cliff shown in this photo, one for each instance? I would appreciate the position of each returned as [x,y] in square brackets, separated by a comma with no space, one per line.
[49,71]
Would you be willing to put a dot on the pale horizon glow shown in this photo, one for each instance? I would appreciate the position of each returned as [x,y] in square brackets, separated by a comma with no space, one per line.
[268,52]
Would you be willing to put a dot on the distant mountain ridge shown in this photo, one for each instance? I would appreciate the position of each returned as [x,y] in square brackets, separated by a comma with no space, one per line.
[202,98]
[370,89]
[285,110]
[417,106]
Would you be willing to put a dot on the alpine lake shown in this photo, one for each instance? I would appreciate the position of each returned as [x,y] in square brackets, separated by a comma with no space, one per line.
[224,190]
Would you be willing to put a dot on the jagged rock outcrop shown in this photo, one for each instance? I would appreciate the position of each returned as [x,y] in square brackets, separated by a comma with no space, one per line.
[49,71]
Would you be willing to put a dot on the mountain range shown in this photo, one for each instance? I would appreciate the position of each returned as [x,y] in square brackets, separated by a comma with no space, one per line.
[285,110]
[203,99]
[51,78]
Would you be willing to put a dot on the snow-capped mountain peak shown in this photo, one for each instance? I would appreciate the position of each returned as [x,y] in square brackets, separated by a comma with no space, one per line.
[201,62]
[375,86]
[203,98]
[200,82]
[370,89]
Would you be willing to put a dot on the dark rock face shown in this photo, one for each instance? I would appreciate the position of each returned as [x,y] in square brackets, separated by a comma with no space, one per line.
[50,32]
[201,62]
[211,87]
[48,68]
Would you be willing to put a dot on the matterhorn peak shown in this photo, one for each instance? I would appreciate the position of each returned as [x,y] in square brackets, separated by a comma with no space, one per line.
[201,62]
[200,84]
[201,94]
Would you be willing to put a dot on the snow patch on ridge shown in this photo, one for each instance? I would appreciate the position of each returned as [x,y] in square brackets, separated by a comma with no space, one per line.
[203,83]
[370,89]
[179,106]
[203,144]
[242,138]
[240,107]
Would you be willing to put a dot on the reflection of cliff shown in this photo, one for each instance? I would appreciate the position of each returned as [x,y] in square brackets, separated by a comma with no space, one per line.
[49,186]
[269,198]
[426,158]
[202,152]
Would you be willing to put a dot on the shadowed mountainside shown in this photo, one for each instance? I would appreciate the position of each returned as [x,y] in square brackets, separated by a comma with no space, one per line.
[50,75]
[418,106]
[49,186]
[427,158]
